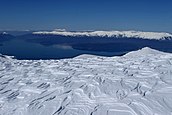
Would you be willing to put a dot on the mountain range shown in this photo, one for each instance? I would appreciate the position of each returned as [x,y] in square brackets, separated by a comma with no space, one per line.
[115,42]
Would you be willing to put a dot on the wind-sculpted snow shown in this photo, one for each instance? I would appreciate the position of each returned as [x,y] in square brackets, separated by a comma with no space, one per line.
[116,34]
[139,83]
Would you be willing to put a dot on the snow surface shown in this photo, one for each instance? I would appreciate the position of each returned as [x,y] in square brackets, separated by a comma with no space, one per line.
[129,34]
[138,83]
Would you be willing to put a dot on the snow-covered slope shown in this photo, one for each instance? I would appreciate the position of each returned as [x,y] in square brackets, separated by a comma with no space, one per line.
[129,34]
[139,83]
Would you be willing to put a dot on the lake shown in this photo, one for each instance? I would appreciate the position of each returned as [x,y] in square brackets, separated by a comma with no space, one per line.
[27,50]
[59,47]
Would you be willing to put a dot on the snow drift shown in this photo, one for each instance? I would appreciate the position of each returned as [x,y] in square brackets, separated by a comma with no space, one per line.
[138,83]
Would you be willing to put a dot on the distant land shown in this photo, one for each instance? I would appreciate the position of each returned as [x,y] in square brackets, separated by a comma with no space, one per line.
[60,44]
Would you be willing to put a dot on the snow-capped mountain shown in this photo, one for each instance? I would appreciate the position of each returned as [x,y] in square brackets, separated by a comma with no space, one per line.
[4,36]
[138,83]
[128,34]
[4,33]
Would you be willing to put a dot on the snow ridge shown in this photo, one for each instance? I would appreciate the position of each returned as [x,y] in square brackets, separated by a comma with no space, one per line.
[129,34]
[138,83]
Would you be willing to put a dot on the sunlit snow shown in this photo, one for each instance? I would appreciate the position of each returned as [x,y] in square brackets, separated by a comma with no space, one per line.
[138,83]
[129,34]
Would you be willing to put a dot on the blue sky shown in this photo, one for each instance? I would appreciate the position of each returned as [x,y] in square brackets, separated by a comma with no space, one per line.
[146,15]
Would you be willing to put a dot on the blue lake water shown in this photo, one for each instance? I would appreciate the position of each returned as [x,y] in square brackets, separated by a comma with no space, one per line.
[26,50]
[36,47]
